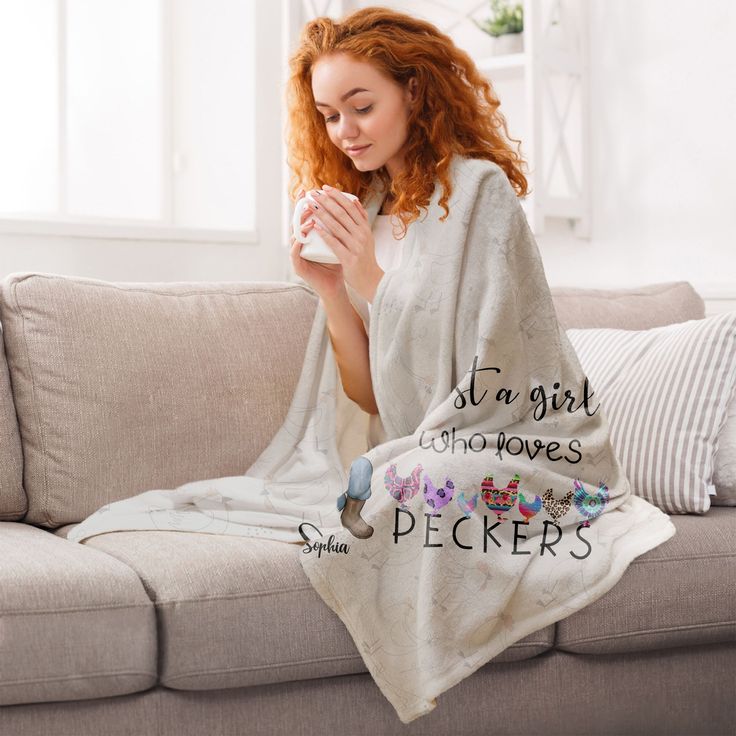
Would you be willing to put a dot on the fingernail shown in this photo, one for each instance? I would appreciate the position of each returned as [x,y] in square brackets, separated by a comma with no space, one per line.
[326,186]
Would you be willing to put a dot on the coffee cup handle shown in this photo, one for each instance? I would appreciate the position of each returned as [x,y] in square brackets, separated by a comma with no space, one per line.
[296,224]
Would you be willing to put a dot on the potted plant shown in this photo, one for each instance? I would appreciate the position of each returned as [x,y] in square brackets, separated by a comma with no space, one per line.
[504,27]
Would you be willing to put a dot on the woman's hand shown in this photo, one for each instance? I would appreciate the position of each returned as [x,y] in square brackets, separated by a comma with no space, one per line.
[343,224]
[325,278]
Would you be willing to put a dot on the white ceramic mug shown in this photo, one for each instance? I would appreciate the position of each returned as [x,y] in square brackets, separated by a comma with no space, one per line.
[314,247]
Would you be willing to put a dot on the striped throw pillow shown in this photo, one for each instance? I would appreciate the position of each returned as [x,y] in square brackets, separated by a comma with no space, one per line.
[666,392]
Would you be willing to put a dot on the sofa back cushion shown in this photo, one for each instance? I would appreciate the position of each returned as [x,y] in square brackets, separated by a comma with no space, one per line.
[122,388]
[638,308]
[13,502]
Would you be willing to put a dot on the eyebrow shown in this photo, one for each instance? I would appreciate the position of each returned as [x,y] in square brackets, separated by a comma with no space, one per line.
[353,91]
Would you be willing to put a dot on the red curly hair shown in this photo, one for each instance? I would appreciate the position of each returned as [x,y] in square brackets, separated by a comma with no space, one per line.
[457,110]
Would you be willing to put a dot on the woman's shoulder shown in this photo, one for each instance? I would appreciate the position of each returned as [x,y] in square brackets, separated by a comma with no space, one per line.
[467,169]
[477,177]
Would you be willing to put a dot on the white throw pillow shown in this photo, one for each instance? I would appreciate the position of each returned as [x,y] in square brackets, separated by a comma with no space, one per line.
[724,476]
[666,393]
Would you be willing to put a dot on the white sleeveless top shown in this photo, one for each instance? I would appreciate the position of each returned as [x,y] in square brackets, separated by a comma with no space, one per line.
[389,251]
[388,248]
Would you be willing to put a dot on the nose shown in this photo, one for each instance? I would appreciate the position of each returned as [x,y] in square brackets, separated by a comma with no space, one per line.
[347,130]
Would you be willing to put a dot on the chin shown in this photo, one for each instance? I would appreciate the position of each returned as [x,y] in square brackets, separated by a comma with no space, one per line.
[367,163]
[364,165]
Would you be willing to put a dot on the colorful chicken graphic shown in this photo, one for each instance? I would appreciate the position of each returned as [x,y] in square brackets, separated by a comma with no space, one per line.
[436,498]
[529,508]
[590,505]
[499,501]
[465,505]
[556,507]
[402,489]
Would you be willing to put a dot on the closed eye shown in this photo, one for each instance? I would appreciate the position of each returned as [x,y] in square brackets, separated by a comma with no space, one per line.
[362,111]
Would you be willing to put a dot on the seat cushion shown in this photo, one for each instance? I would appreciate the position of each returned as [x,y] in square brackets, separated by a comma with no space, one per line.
[122,388]
[13,502]
[239,611]
[681,593]
[74,623]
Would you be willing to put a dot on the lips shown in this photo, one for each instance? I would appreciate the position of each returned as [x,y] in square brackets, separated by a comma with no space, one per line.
[358,148]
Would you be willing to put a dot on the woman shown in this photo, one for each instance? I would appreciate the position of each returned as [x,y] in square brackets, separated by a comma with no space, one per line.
[492,451]
[380,102]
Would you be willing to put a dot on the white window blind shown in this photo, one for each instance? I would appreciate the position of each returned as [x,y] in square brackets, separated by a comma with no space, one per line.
[135,116]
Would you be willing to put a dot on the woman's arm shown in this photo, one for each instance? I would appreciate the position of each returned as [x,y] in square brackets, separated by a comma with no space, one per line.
[350,345]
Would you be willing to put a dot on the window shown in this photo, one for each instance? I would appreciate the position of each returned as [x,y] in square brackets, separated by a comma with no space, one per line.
[134,117]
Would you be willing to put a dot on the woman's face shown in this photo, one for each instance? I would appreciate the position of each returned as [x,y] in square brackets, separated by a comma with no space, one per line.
[376,115]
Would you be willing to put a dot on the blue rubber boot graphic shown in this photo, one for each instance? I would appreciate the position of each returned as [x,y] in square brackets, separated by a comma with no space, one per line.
[352,501]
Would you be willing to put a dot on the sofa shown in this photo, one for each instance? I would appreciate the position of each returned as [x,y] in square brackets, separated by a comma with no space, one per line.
[109,389]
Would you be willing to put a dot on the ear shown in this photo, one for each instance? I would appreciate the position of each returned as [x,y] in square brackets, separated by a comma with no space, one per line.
[412,90]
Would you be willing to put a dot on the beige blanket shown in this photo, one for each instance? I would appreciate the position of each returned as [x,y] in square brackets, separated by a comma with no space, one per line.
[498,505]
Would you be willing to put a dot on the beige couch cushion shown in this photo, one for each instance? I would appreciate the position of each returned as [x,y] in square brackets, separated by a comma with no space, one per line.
[236,611]
[13,503]
[126,387]
[682,593]
[74,623]
[637,308]
[122,388]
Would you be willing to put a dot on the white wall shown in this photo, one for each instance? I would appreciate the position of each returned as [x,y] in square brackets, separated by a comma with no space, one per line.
[663,112]
[663,98]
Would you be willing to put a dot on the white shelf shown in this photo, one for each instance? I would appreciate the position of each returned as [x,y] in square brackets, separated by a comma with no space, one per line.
[502,63]
[555,72]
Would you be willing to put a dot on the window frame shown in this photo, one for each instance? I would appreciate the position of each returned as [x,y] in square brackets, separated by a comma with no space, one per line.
[164,229]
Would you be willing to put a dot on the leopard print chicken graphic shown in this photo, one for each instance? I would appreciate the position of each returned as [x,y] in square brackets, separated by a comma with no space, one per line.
[556,507]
